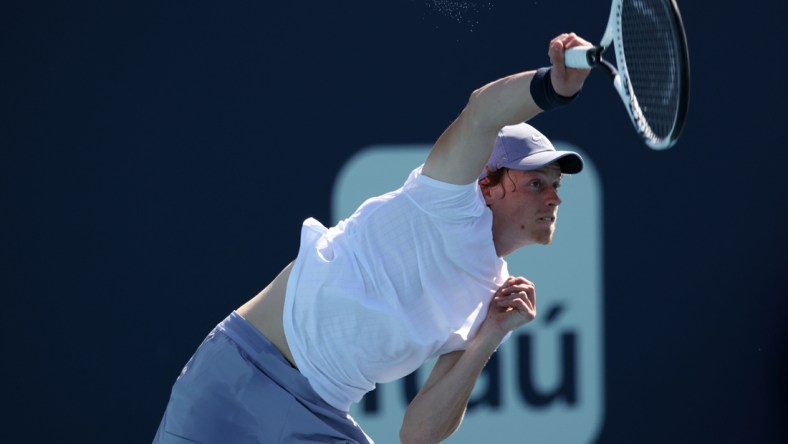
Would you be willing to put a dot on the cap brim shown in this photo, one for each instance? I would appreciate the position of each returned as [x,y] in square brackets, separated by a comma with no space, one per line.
[569,162]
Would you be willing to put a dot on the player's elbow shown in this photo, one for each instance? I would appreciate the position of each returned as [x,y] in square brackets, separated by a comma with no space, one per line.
[428,433]
[478,114]
[473,112]
[418,431]
[411,435]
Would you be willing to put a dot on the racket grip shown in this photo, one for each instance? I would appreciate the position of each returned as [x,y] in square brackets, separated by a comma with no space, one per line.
[583,57]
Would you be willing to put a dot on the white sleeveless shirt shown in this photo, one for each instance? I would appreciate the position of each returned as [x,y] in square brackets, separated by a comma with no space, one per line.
[407,277]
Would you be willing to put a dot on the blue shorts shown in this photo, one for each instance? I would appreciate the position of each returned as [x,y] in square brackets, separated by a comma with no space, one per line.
[238,388]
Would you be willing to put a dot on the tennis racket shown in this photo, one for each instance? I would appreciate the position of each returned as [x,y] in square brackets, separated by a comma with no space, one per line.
[652,76]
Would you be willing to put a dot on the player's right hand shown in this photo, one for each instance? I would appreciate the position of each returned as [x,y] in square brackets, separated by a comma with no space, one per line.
[566,81]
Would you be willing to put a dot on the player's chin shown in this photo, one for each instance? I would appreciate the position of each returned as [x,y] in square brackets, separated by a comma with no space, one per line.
[545,238]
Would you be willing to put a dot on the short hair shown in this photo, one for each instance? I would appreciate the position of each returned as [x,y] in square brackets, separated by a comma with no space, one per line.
[494,177]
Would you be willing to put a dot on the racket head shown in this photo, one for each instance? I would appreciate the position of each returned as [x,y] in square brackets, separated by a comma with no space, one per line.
[653,68]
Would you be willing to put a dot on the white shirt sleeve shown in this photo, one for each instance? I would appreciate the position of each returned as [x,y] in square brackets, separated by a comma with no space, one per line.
[444,200]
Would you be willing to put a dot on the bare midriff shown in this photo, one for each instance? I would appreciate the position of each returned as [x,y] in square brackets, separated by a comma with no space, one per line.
[265,312]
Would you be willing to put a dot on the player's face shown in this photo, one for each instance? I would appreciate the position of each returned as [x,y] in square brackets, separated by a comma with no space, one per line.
[525,208]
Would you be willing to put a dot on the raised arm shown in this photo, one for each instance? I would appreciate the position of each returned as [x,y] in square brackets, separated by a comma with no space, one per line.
[464,147]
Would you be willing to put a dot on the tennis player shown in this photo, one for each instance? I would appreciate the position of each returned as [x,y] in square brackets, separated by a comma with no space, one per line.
[412,274]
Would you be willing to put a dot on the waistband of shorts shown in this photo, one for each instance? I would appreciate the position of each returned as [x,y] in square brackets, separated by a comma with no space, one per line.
[248,337]
[268,359]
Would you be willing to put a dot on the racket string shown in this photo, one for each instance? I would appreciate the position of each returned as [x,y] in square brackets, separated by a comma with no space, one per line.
[651,52]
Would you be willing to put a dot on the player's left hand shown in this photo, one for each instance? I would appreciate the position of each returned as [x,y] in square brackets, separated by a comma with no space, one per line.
[566,81]
[512,305]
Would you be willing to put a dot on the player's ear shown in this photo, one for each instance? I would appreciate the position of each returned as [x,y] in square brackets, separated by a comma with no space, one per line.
[487,190]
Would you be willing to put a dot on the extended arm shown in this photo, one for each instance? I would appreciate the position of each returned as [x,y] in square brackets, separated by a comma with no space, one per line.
[437,410]
[464,147]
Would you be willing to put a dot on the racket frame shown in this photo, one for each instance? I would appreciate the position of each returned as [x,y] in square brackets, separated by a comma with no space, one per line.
[591,57]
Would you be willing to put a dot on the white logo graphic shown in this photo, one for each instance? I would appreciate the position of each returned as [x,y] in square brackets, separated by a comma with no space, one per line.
[546,383]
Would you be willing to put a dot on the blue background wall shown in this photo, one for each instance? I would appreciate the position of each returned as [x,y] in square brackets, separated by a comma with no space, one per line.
[157,159]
